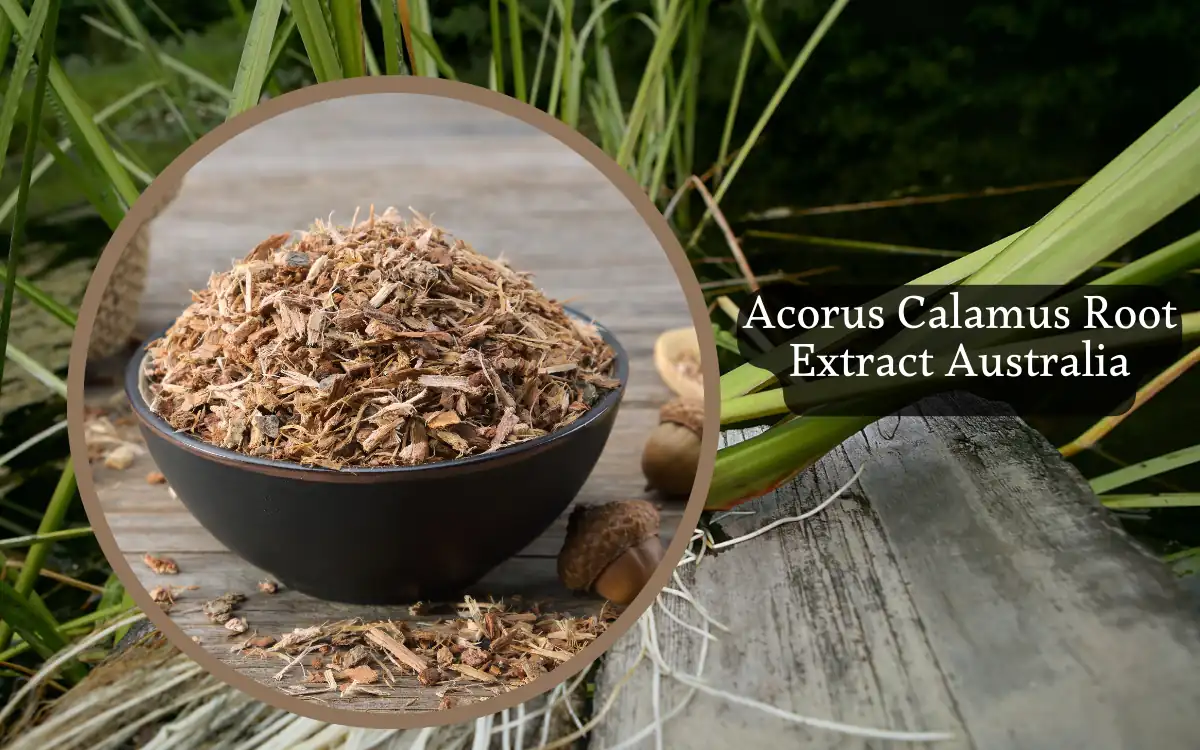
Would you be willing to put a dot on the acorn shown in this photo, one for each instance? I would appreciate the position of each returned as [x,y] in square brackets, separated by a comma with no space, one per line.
[672,452]
[611,550]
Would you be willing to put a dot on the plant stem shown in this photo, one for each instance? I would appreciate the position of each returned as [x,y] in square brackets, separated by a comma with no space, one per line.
[17,542]
[52,521]
[17,239]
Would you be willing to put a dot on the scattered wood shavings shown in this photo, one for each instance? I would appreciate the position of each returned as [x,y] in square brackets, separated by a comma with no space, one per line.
[488,646]
[382,343]
[163,566]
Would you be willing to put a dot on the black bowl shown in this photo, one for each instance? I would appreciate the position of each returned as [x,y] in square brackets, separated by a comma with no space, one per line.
[380,535]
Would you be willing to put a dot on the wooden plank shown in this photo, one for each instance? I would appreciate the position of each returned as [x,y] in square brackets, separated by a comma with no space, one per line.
[970,582]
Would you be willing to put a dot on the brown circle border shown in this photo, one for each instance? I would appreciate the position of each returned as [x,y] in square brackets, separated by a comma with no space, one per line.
[173,176]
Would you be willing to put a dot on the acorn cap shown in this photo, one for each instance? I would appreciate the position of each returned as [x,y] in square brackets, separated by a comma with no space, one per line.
[684,411]
[599,534]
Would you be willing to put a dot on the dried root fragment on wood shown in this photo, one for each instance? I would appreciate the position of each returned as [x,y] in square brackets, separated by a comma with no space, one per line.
[268,587]
[386,342]
[164,596]
[487,644]
[121,457]
[220,610]
[163,566]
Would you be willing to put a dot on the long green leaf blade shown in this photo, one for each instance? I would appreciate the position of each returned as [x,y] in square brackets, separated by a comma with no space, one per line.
[348,32]
[322,55]
[256,57]
[78,111]
[1145,469]
[20,71]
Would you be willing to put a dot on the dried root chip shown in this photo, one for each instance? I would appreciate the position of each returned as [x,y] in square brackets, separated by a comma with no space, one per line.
[121,457]
[163,566]
[220,610]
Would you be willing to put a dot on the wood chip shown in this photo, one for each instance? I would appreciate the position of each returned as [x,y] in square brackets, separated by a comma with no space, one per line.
[163,566]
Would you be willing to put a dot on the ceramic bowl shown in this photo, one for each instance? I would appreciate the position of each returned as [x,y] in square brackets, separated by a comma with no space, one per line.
[380,535]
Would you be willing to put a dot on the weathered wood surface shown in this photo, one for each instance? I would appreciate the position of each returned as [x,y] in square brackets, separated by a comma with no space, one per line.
[496,183]
[970,582]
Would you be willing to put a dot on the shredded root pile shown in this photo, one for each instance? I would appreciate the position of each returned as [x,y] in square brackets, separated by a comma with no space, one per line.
[486,645]
[384,343]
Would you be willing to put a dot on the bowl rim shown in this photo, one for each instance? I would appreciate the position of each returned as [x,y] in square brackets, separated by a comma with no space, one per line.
[134,375]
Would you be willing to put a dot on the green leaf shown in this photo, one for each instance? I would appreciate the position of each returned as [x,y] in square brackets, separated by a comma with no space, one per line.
[10,203]
[16,246]
[256,57]
[1158,173]
[348,31]
[188,72]
[21,67]
[18,542]
[35,559]
[516,49]
[756,132]
[322,54]
[176,99]
[389,22]
[90,182]
[1146,469]
[430,47]
[1150,502]
[88,135]
[759,27]
[27,620]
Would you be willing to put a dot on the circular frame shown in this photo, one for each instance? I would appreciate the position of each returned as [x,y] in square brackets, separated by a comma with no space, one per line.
[173,175]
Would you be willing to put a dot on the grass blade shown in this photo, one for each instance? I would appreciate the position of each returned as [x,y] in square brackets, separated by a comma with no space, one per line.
[759,27]
[1146,469]
[182,69]
[322,55]
[1096,432]
[18,542]
[32,626]
[36,369]
[1149,502]
[516,49]
[1158,173]
[35,559]
[389,22]
[430,47]
[256,57]
[497,44]
[348,33]
[10,203]
[176,98]
[806,52]
[20,72]
[17,238]
[88,135]
[105,202]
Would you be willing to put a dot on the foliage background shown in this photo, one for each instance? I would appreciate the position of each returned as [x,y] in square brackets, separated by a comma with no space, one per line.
[900,99]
